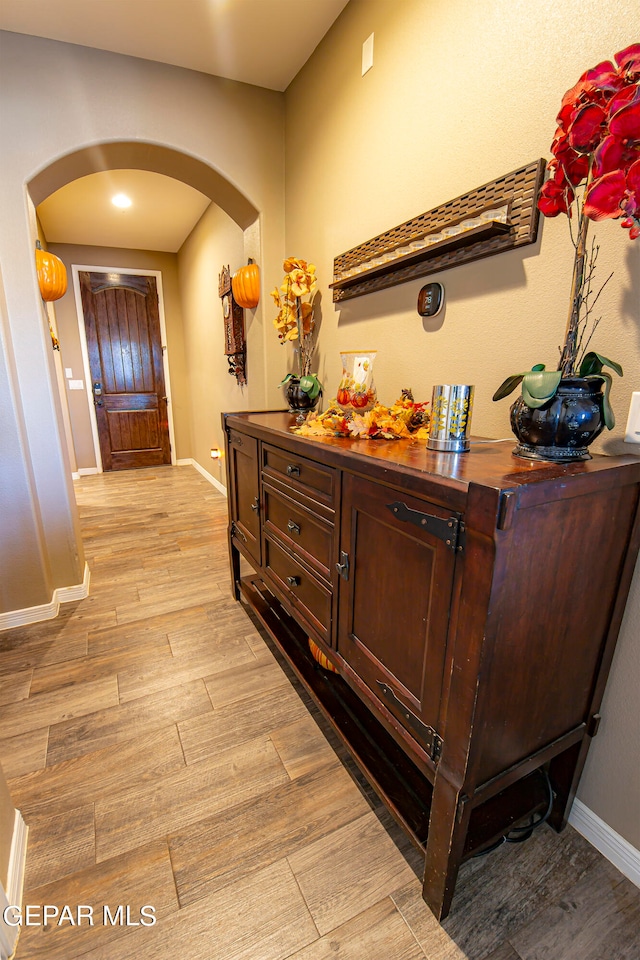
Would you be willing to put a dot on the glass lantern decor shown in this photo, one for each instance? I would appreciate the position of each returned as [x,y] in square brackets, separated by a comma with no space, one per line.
[356,390]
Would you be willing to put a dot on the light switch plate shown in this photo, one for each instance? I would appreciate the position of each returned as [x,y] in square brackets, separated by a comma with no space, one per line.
[632,434]
[76,384]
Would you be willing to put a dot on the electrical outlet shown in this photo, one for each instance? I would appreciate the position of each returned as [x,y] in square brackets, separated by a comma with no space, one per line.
[632,434]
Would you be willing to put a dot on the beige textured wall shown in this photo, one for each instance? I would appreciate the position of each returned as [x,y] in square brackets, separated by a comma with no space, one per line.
[100,98]
[216,241]
[70,350]
[461,92]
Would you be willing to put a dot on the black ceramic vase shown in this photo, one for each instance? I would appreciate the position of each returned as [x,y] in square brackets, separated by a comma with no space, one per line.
[298,400]
[563,427]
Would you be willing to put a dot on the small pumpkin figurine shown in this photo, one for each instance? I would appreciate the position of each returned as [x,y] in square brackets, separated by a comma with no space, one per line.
[245,284]
[52,274]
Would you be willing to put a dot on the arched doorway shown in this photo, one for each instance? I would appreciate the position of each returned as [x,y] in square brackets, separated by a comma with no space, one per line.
[232,205]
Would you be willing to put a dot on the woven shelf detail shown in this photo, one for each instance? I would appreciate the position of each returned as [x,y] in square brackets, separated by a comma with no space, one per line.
[513,197]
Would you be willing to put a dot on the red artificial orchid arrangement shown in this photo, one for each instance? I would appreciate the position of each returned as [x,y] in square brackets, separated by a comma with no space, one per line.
[598,142]
[596,170]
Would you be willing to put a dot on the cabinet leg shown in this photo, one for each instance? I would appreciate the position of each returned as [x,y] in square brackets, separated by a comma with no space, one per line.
[234,560]
[448,827]
[564,774]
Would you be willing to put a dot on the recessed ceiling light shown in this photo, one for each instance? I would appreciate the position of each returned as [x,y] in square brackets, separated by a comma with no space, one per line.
[121,200]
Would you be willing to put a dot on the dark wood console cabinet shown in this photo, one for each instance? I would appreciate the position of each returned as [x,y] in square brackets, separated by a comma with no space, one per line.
[470,603]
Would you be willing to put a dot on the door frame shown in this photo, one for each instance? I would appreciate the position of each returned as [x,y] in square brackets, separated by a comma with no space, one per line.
[76,269]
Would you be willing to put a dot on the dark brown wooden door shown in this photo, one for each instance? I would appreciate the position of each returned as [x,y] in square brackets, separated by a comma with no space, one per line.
[125,357]
[394,618]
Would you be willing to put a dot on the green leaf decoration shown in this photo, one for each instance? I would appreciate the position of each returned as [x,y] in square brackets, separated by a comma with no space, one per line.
[594,362]
[607,409]
[508,386]
[538,386]
[310,385]
[288,377]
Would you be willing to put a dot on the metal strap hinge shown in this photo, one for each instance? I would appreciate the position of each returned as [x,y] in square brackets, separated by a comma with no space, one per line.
[236,532]
[428,736]
[449,529]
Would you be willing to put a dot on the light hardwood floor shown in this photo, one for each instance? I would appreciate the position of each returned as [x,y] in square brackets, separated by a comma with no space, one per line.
[161,756]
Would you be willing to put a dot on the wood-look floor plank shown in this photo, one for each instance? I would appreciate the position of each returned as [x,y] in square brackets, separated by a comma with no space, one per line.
[302,747]
[599,917]
[59,845]
[44,709]
[83,669]
[259,647]
[138,879]
[129,721]
[16,687]
[100,774]
[25,649]
[218,850]
[504,952]
[261,917]
[220,655]
[164,601]
[155,628]
[378,933]
[245,681]
[24,753]
[498,893]
[234,725]
[348,870]
[186,795]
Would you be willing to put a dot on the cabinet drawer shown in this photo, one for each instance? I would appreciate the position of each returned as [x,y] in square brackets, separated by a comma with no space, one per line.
[307,596]
[300,474]
[304,534]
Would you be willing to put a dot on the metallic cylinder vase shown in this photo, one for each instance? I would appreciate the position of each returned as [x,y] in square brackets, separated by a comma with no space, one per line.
[451,407]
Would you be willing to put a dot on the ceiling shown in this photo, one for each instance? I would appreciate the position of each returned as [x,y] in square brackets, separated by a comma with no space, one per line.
[244,40]
[264,42]
[162,214]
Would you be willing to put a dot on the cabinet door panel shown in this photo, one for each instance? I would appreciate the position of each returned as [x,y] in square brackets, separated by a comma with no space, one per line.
[244,497]
[395,603]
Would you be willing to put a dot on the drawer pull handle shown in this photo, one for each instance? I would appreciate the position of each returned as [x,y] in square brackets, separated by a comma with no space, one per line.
[293,581]
[293,527]
[293,470]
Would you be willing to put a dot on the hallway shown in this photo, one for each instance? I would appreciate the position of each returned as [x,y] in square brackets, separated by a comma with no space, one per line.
[162,758]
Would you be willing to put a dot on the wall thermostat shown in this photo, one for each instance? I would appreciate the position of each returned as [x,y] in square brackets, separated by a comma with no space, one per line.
[430,300]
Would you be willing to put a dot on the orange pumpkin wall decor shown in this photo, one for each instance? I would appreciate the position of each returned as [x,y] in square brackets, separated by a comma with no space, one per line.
[245,284]
[52,274]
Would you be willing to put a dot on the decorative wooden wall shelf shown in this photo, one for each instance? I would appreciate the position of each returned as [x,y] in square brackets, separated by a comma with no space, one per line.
[498,216]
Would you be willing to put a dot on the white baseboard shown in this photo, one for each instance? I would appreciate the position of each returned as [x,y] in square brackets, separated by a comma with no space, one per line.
[84,472]
[610,844]
[194,463]
[12,896]
[47,611]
